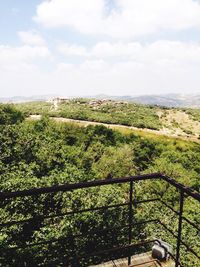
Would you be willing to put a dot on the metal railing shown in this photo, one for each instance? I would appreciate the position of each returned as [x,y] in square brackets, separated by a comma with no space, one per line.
[132,203]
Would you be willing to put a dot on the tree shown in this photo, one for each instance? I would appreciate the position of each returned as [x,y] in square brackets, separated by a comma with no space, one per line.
[10,115]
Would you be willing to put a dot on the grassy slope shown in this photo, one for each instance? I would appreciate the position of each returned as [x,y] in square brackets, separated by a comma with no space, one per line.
[175,122]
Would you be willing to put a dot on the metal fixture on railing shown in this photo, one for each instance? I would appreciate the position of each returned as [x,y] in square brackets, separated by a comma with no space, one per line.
[161,250]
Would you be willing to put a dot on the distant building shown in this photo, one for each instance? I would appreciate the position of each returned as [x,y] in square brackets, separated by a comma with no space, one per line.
[58,100]
[98,102]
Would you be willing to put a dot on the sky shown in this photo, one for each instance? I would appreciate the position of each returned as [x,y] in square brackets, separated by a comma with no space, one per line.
[90,47]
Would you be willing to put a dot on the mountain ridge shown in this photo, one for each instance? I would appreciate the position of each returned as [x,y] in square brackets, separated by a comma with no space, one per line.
[167,100]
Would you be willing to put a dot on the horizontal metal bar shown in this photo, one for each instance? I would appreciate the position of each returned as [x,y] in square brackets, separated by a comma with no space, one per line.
[183,188]
[7,224]
[146,200]
[184,218]
[69,187]
[96,254]
[182,242]
[109,251]
[74,212]
[57,240]
[115,228]
[104,252]
[81,235]
[62,214]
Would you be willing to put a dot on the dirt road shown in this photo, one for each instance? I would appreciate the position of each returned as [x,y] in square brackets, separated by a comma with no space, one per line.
[118,127]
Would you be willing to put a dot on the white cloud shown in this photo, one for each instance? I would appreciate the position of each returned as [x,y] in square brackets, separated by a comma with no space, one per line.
[21,60]
[111,68]
[76,13]
[72,50]
[126,77]
[31,38]
[172,51]
[20,68]
[64,67]
[165,55]
[22,53]
[100,50]
[129,18]
[157,51]
[93,77]
[94,66]
[106,49]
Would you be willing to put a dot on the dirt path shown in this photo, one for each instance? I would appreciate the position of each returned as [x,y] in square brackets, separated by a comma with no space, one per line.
[83,123]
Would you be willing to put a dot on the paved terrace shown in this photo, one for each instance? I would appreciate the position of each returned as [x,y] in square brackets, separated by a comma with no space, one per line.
[141,260]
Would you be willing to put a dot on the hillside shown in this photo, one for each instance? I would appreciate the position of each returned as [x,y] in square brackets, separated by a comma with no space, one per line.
[160,120]
[169,100]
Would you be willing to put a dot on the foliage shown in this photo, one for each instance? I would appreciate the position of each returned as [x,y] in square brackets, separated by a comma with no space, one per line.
[45,153]
[36,107]
[194,113]
[10,115]
[130,114]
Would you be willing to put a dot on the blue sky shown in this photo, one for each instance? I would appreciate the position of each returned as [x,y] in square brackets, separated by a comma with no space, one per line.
[89,47]
[15,16]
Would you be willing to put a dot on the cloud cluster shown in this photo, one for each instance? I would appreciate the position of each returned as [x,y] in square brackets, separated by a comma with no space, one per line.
[24,57]
[98,76]
[126,18]
[107,67]
[159,51]
[11,53]
[31,38]
[72,50]
[117,63]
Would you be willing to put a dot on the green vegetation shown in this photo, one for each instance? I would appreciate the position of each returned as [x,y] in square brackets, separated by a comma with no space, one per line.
[34,108]
[117,113]
[130,114]
[10,115]
[45,153]
[168,121]
[194,113]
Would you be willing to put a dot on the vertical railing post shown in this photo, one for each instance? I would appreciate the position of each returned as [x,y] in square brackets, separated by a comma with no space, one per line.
[130,218]
[179,228]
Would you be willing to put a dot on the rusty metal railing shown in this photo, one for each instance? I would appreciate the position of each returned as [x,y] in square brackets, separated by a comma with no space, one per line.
[127,249]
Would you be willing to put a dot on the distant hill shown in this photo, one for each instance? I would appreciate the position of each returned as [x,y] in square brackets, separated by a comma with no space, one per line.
[23,99]
[168,100]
